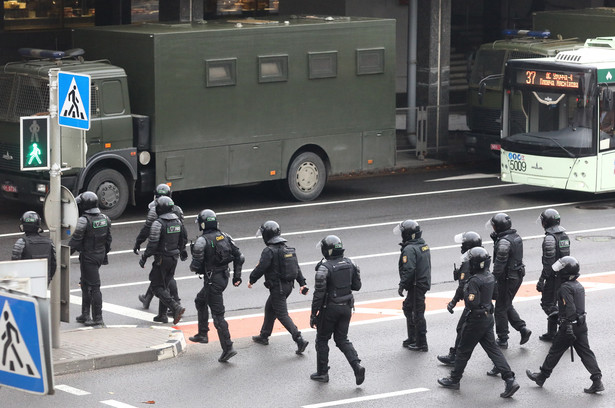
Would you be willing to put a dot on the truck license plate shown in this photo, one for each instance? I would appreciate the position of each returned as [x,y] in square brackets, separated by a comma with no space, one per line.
[9,188]
[495,146]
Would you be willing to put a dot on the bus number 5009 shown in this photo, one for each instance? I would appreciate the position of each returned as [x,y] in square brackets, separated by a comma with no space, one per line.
[516,165]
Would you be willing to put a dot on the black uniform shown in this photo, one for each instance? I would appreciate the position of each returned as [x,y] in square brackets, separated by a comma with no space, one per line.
[92,238]
[415,277]
[212,263]
[142,237]
[509,271]
[555,245]
[572,331]
[279,290]
[332,305]
[167,239]
[35,246]
[462,275]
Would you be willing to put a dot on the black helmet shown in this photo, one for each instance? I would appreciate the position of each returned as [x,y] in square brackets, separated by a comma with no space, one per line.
[162,190]
[567,268]
[549,218]
[269,229]
[207,220]
[501,222]
[468,240]
[164,205]
[409,229]
[479,259]
[87,201]
[30,221]
[331,246]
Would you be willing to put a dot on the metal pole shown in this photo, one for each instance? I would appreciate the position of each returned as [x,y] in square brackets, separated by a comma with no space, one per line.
[411,80]
[55,223]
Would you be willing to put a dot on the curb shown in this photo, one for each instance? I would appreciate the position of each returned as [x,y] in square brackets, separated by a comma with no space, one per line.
[73,359]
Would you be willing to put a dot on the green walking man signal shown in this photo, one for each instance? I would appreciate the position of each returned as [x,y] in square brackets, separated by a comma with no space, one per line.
[34,143]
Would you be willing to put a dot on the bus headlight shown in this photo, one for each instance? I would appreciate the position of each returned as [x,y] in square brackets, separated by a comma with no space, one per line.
[144,158]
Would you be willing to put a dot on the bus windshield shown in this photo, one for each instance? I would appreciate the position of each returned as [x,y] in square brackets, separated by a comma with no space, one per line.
[555,124]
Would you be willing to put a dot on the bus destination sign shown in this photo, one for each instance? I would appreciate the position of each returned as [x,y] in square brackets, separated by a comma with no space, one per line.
[548,79]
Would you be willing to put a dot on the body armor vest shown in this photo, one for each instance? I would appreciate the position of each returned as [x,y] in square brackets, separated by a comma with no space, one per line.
[170,234]
[339,280]
[36,247]
[515,256]
[562,244]
[95,237]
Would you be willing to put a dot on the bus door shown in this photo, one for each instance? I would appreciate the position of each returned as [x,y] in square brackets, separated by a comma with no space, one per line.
[606,144]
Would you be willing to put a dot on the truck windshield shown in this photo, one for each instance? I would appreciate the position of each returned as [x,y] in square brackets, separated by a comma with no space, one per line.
[488,62]
[551,124]
[22,95]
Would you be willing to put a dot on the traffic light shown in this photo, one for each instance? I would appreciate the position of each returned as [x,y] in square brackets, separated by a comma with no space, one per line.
[34,143]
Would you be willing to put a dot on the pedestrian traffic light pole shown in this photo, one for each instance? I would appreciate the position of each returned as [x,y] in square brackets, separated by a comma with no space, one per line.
[55,221]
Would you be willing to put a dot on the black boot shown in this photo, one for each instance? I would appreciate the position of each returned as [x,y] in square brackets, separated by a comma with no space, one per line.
[227,354]
[494,372]
[525,335]
[161,319]
[502,343]
[359,372]
[199,338]
[421,344]
[97,320]
[178,312]
[596,386]
[512,386]
[321,374]
[411,329]
[448,359]
[83,317]
[260,340]
[551,330]
[146,299]
[406,343]
[539,378]
[448,382]
[301,345]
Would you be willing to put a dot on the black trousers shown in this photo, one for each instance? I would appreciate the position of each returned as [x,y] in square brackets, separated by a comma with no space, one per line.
[91,295]
[504,309]
[334,320]
[458,329]
[210,297]
[479,329]
[414,310]
[163,271]
[276,308]
[560,345]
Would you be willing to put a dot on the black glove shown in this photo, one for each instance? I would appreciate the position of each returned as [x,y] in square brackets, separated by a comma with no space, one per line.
[136,249]
[313,321]
[105,260]
[450,307]
[142,261]
[305,290]
[183,255]
[540,285]
[400,290]
[237,281]
[570,332]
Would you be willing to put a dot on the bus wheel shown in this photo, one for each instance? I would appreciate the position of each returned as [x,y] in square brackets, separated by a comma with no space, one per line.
[112,191]
[307,176]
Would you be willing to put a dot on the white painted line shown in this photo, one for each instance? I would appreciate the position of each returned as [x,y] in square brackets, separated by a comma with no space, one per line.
[116,404]
[121,310]
[473,176]
[71,390]
[367,398]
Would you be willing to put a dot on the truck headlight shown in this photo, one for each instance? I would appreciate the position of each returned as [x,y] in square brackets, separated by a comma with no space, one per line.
[144,158]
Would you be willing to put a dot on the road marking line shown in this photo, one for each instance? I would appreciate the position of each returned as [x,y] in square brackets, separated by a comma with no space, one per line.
[116,404]
[71,390]
[366,398]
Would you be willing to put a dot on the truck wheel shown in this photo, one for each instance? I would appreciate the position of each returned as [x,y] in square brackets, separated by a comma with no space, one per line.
[307,176]
[112,191]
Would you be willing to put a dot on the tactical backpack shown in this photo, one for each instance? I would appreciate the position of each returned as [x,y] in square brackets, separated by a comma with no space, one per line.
[288,263]
[222,251]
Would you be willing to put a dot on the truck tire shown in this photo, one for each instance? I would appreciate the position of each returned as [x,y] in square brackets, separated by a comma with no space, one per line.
[112,190]
[307,176]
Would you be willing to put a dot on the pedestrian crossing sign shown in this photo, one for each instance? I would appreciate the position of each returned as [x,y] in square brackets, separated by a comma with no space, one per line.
[74,100]
[22,356]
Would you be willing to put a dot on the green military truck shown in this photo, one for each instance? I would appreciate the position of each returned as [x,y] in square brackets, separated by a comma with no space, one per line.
[484,106]
[219,103]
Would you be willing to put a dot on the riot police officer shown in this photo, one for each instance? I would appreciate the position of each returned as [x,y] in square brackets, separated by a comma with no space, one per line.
[336,278]
[468,240]
[478,326]
[33,245]
[509,270]
[166,242]
[211,254]
[278,263]
[555,245]
[572,326]
[162,190]
[415,277]
[92,238]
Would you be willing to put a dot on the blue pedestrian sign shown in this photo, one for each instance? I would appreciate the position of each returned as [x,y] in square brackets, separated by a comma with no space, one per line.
[22,356]
[74,100]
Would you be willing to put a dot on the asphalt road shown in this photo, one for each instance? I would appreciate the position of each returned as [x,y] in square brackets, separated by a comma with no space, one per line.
[362,212]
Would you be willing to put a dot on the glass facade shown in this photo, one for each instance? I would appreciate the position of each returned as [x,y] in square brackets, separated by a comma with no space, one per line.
[45,14]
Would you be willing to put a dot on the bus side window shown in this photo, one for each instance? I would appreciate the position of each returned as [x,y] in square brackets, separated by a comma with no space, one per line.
[607,124]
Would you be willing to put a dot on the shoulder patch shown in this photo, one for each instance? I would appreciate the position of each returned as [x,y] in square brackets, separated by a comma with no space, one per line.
[425,248]
[99,223]
[219,237]
[564,243]
[404,259]
[463,276]
[174,229]
[471,297]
